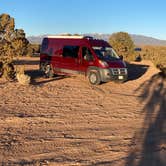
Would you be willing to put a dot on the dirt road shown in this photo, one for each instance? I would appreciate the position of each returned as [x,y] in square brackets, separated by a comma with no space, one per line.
[67,121]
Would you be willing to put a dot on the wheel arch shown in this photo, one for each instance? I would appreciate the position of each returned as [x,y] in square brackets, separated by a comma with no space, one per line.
[96,70]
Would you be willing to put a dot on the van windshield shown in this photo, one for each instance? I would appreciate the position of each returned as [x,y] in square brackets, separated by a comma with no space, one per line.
[106,53]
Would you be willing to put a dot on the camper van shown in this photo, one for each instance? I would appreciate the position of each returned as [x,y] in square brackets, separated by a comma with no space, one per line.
[94,58]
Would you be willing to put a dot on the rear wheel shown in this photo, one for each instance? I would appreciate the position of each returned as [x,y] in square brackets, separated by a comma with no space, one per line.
[94,78]
[48,71]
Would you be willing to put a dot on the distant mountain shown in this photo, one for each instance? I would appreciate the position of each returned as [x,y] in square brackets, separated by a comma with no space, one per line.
[138,39]
[144,40]
[36,39]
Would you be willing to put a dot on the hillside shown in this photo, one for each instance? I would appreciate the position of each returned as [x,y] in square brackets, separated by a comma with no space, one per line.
[138,39]
[144,40]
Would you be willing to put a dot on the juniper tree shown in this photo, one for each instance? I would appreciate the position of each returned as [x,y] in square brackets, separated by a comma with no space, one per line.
[12,43]
[123,44]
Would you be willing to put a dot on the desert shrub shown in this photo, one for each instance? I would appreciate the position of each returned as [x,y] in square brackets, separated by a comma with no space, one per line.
[9,71]
[6,23]
[6,58]
[22,77]
[33,49]
[123,45]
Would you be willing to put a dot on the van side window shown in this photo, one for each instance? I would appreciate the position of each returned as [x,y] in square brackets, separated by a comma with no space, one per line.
[86,54]
[70,51]
[44,45]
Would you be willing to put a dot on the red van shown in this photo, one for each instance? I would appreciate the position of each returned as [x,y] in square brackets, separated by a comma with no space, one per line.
[94,58]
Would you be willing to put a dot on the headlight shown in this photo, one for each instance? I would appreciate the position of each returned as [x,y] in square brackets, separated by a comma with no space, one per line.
[103,63]
[124,64]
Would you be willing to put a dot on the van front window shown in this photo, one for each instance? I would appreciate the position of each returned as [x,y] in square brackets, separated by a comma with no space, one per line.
[106,53]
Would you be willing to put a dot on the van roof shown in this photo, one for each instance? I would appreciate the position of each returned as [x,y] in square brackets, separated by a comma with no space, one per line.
[91,40]
[66,37]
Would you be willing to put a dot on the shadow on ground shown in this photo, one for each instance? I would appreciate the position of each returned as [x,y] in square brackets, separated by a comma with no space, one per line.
[136,71]
[26,62]
[148,146]
[36,74]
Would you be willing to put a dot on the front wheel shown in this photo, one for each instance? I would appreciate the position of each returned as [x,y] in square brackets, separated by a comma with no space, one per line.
[94,78]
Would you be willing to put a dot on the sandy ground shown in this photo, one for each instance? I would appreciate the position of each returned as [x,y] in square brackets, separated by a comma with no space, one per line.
[68,122]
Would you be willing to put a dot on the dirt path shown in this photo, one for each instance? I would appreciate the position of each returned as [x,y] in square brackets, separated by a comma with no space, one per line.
[66,121]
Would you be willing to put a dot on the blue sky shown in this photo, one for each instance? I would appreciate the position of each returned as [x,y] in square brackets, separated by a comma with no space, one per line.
[37,17]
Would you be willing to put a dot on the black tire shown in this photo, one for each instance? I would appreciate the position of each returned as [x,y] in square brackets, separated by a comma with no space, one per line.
[94,78]
[48,71]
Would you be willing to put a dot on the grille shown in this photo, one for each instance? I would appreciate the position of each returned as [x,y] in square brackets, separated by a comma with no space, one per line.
[119,71]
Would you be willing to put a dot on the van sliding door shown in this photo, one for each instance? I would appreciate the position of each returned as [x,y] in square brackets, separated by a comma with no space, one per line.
[69,62]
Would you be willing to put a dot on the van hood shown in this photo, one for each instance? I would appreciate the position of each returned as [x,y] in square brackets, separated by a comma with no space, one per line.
[116,64]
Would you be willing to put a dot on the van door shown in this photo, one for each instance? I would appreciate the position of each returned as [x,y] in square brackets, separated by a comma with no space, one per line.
[69,61]
[57,57]
[86,59]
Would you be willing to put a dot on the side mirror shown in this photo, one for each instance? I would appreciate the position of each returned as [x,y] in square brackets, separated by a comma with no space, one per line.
[121,57]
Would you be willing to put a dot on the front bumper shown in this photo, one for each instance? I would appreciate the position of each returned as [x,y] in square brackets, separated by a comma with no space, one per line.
[115,74]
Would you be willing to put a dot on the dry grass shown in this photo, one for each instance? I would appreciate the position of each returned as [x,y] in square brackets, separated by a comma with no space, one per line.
[22,78]
[157,54]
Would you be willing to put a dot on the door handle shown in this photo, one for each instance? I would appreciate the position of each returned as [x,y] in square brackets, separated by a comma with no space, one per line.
[78,61]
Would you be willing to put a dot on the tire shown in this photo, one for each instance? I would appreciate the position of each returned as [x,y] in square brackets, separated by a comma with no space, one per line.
[94,78]
[48,71]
